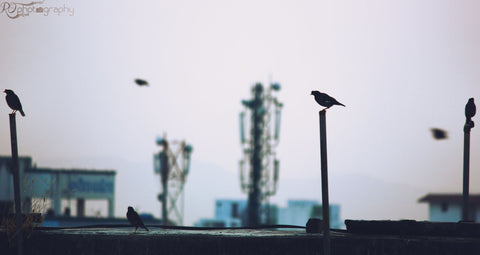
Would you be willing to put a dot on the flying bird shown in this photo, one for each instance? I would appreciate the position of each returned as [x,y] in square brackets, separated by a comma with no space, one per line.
[135,219]
[324,99]
[13,102]
[439,134]
[141,82]
[470,110]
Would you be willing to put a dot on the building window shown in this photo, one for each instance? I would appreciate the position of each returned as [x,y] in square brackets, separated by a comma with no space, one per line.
[444,207]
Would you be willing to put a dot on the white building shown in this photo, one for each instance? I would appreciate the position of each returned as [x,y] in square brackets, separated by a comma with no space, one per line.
[228,213]
[298,212]
[448,207]
[232,212]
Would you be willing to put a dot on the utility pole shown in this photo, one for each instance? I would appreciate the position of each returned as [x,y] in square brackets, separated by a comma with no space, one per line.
[259,179]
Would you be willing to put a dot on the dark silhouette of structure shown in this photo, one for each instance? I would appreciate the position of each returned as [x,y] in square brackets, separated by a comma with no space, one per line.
[14,102]
[172,163]
[324,99]
[135,219]
[259,168]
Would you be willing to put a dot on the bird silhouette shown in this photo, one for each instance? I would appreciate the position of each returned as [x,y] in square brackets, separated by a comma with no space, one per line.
[135,219]
[324,99]
[439,134]
[141,82]
[470,110]
[13,101]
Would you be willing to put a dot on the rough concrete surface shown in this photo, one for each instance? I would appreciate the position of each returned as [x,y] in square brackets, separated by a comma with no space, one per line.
[237,241]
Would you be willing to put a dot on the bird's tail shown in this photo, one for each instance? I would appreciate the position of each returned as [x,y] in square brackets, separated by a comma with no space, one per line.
[341,104]
[22,113]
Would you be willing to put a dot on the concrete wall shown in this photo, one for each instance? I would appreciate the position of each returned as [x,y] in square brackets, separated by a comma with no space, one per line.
[251,242]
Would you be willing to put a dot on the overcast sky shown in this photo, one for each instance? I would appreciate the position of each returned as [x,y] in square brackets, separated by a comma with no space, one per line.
[400,67]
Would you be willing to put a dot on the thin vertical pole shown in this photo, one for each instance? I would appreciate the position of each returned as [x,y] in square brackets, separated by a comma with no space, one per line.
[164,176]
[16,184]
[325,203]
[255,193]
[164,201]
[466,170]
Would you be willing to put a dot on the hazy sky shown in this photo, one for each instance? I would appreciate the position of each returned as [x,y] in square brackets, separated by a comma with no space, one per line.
[400,67]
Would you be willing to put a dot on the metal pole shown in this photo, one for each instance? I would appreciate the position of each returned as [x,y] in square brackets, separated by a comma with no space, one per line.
[466,170]
[470,110]
[16,184]
[256,161]
[324,167]
[163,158]
[164,202]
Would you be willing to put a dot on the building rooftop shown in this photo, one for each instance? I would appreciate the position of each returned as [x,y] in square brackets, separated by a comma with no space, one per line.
[48,170]
[445,197]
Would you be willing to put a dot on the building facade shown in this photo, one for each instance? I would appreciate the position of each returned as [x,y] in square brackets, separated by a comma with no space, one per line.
[298,212]
[448,207]
[233,213]
[55,185]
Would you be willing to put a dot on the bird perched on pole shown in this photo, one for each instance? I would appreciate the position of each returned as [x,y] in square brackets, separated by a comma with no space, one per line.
[135,219]
[470,110]
[13,102]
[324,99]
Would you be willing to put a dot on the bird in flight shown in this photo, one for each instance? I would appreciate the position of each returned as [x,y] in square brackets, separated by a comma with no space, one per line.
[439,134]
[324,99]
[141,82]
[135,219]
[470,110]
[13,102]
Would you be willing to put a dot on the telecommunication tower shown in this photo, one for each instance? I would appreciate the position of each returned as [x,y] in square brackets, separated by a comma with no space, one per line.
[259,167]
[172,163]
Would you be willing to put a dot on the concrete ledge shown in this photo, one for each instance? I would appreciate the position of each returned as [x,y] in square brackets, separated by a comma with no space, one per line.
[160,241]
[411,227]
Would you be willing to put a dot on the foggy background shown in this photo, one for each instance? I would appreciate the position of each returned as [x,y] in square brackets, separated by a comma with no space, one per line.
[400,67]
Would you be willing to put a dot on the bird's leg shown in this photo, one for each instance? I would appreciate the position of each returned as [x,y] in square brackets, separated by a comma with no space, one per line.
[134,232]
